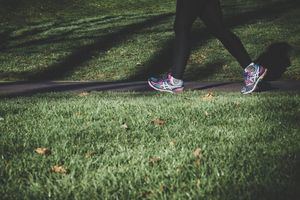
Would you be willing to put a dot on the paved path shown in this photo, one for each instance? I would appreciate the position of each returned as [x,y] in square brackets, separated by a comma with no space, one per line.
[12,89]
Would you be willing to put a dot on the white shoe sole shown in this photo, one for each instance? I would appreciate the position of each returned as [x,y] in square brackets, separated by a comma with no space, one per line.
[169,91]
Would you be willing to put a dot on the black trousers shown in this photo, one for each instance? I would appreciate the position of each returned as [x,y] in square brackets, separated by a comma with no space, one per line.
[210,12]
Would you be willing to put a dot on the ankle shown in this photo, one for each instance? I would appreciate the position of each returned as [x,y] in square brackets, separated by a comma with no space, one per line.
[176,81]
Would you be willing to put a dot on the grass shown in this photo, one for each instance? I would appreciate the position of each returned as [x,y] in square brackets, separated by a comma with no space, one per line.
[143,145]
[119,40]
[246,152]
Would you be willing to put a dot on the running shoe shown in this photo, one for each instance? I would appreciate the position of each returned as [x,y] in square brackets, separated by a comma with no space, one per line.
[253,74]
[166,84]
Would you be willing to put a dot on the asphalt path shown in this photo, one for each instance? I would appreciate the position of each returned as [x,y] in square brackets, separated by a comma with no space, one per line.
[15,89]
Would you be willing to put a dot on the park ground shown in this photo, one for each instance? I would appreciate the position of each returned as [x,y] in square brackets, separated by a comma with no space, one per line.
[135,145]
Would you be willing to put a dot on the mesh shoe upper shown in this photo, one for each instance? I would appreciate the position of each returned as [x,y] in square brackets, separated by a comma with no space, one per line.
[252,75]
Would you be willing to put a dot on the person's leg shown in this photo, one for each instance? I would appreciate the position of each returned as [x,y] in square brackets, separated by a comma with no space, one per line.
[186,13]
[213,18]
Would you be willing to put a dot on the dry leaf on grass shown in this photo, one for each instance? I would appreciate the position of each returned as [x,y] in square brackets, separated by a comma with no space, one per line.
[159,122]
[78,113]
[208,97]
[124,126]
[237,104]
[163,188]
[173,143]
[206,113]
[83,94]
[225,67]
[139,64]
[146,195]
[198,183]
[43,151]
[197,153]
[154,160]
[59,169]
[90,154]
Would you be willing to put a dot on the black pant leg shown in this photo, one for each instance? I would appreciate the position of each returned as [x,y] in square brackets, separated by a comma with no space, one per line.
[186,13]
[213,19]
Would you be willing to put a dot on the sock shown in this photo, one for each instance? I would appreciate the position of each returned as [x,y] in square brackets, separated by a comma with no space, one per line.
[176,82]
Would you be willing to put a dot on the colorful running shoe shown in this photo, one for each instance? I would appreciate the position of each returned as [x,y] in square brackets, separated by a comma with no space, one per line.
[253,74]
[166,84]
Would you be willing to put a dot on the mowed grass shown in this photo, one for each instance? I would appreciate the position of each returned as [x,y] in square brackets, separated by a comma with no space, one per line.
[131,40]
[219,146]
[143,145]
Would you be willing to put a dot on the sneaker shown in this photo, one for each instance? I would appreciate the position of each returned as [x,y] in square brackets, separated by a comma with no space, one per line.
[166,84]
[253,74]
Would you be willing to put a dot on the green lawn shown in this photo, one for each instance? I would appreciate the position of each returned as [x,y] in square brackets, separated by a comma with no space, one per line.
[129,40]
[249,146]
[143,145]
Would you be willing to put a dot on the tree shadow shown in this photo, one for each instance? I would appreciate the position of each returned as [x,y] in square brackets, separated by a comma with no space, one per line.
[196,72]
[78,57]
[268,188]
[56,38]
[162,60]
[279,170]
[4,36]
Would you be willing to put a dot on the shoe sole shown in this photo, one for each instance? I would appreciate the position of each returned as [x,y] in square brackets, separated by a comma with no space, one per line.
[179,90]
[256,83]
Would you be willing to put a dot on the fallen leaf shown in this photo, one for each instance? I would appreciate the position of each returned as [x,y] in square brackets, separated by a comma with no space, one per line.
[83,94]
[90,154]
[159,122]
[154,160]
[124,126]
[59,169]
[206,113]
[197,153]
[78,113]
[225,67]
[173,143]
[197,162]
[139,64]
[43,151]
[198,183]
[163,188]
[146,195]
[208,97]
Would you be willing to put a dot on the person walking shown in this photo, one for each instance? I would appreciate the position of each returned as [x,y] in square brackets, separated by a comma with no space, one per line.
[210,12]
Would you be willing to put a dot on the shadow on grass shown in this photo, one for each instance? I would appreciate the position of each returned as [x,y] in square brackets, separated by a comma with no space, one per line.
[278,175]
[281,180]
[85,53]
[162,60]
[56,38]
[4,36]
[195,72]
[263,165]
[278,172]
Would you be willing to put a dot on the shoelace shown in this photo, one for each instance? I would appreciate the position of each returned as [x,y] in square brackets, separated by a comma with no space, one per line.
[250,78]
